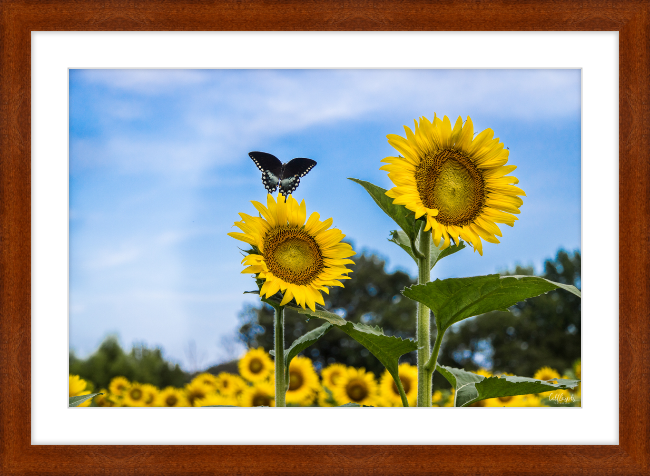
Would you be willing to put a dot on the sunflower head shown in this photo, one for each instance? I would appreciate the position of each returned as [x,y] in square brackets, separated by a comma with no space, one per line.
[291,254]
[103,400]
[408,375]
[256,365]
[172,397]
[76,385]
[546,373]
[196,390]
[332,373]
[134,396]
[150,394]
[228,384]
[509,401]
[262,394]
[356,386]
[207,380]
[454,181]
[215,399]
[303,382]
[119,386]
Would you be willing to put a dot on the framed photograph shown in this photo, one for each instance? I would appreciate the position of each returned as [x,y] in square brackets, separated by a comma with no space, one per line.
[80,49]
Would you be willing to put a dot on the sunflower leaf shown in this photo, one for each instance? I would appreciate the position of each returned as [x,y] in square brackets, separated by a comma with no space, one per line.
[301,343]
[78,400]
[399,213]
[455,299]
[471,388]
[402,240]
[387,349]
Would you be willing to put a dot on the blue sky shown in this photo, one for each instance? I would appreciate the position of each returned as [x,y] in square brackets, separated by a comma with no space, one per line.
[159,170]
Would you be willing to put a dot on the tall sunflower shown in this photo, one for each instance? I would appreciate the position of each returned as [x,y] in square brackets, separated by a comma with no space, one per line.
[298,258]
[456,181]
[356,386]
[303,382]
[256,365]
[408,374]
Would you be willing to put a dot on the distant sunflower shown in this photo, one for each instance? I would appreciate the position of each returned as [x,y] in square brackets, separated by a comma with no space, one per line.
[261,394]
[408,374]
[510,401]
[456,181]
[228,384]
[102,400]
[356,386]
[150,394]
[134,396]
[332,373]
[172,397]
[577,369]
[76,385]
[206,379]
[256,365]
[485,373]
[118,386]
[303,382]
[548,374]
[196,390]
[299,258]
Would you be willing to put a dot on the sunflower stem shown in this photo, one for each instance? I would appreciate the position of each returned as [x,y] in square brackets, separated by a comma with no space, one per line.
[433,361]
[424,324]
[402,393]
[280,384]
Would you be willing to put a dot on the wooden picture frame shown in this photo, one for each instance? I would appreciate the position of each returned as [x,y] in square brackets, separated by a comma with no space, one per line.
[19,18]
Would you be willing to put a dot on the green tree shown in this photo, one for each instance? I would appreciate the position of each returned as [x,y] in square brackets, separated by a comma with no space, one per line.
[372,297]
[140,365]
[544,331]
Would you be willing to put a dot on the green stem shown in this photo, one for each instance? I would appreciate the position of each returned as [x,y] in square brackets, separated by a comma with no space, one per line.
[424,324]
[280,383]
[402,393]
[432,363]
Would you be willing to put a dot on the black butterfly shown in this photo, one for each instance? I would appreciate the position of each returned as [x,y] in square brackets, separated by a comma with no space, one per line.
[276,173]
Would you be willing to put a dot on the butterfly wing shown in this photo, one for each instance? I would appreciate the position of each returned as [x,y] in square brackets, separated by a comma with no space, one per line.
[271,168]
[289,185]
[299,166]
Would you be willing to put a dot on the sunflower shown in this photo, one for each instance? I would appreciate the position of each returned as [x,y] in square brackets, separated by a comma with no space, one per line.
[485,373]
[437,399]
[303,382]
[118,386]
[356,386]
[256,365]
[196,390]
[299,258]
[408,374]
[171,397]
[546,373]
[103,400]
[509,401]
[456,181]
[134,396]
[261,394]
[332,373]
[77,388]
[150,394]
[206,379]
[228,384]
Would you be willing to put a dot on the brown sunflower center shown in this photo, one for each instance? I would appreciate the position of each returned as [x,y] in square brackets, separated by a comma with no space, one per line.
[356,390]
[450,182]
[136,394]
[406,383]
[295,380]
[292,255]
[255,366]
[171,400]
[261,400]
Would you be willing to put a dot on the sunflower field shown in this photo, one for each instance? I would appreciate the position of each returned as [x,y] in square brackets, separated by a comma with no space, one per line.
[335,385]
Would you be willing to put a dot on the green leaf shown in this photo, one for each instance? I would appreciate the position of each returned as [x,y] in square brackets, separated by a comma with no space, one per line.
[455,299]
[471,388]
[387,349]
[78,400]
[351,404]
[301,344]
[399,213]
[402,240]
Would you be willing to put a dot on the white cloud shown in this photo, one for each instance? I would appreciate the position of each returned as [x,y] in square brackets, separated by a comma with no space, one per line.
[144,81]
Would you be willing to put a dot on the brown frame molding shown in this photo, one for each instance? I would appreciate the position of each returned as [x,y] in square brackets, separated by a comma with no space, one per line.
[18,18]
